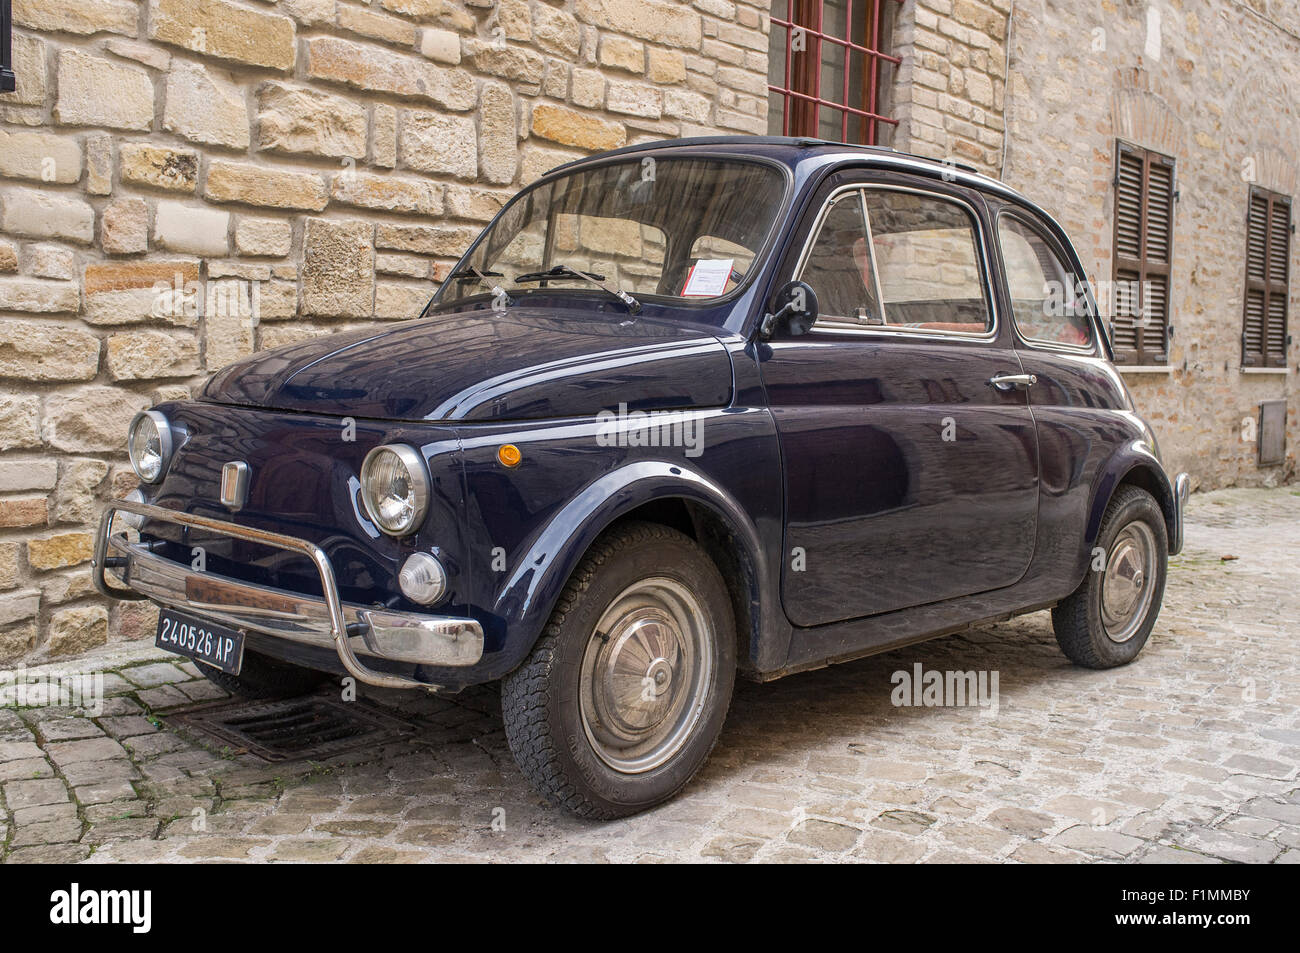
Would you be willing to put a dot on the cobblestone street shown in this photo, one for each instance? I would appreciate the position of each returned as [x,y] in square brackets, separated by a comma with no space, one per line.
[1187,756]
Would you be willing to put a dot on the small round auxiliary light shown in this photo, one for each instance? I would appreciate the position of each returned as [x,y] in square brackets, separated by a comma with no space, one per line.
[132,520]
[422,579]
[509,455]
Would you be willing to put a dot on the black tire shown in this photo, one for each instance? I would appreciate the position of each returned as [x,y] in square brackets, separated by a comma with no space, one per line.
[262,678]
[542,700]
[1078,619]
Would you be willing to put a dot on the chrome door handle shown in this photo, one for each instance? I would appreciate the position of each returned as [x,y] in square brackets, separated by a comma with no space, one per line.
[1012,381]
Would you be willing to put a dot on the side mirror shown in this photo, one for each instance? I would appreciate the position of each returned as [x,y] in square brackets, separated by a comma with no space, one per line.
[794,306]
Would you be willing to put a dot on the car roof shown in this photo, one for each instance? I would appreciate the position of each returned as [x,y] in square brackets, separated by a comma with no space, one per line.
[792,150]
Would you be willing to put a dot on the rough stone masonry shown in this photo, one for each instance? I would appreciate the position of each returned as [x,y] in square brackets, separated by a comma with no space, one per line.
[282,170]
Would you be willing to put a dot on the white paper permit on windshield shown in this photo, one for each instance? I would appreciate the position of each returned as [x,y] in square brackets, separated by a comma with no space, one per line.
[708,278]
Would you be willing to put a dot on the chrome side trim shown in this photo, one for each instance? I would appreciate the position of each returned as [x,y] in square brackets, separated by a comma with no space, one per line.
[319,621]
[1182,489]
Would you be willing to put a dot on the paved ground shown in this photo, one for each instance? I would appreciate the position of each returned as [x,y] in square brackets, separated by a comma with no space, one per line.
[1189,755]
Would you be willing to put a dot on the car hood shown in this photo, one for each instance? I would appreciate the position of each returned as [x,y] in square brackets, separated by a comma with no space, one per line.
[486,365]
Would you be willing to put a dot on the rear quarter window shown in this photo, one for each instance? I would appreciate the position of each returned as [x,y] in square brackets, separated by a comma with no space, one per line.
[1046,300]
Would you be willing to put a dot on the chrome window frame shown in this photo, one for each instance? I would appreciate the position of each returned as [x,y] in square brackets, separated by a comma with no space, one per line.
[859,330]
[1094,317]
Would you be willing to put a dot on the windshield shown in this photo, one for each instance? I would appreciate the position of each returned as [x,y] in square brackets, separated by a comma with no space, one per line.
[684,230]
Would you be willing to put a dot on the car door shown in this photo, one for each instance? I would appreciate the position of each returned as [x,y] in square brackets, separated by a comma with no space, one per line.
[910,478]
[1058,340]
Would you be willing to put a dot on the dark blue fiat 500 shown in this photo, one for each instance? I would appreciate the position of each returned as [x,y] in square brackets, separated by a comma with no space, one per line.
[682,410]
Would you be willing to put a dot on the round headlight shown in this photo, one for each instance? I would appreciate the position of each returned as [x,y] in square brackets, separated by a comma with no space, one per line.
[422,579]
[149,445]
[395,488]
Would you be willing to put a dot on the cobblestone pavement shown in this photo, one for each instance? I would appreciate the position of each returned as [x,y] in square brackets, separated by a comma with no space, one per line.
[1188,756]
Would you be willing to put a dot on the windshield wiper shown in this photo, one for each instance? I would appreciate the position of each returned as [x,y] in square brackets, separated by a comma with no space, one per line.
[559,271]
[568,271]
[470,273]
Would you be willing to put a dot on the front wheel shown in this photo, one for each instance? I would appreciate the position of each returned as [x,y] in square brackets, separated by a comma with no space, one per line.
[624,695]
[1108,619]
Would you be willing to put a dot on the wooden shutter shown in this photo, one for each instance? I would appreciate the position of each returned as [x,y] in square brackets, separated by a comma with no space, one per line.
[8,82]
[1144,243]
[1268,258]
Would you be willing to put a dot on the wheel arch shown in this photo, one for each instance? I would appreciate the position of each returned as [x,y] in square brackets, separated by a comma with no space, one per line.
[665,493]
[724,544]
[1135,466]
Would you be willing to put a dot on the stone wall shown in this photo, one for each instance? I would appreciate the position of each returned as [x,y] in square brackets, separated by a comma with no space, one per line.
[1210,82]
[949,92]
[185,181]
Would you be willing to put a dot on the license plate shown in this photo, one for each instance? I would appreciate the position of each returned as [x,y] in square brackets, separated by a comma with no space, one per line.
[214,645]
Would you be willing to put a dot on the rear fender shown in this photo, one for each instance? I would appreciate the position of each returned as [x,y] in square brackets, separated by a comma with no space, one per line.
[1136,463]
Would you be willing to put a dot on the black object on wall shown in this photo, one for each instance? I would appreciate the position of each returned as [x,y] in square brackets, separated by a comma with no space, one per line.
[7,79]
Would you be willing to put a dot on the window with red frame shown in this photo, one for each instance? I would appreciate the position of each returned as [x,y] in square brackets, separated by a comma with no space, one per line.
[828,70]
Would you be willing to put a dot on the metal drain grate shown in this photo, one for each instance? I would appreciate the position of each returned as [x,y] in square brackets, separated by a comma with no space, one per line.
[294,729]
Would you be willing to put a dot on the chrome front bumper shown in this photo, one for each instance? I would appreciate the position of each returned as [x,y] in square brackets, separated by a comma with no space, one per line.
[324,621]
[1182,489]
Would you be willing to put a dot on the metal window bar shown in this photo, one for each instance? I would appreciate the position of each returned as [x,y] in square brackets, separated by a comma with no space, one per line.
[8,81]
[803,85]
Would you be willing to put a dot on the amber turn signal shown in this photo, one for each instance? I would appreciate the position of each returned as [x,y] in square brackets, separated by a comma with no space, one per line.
[509,455]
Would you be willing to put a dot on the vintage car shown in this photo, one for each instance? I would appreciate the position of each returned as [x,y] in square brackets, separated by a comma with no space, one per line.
[682,410]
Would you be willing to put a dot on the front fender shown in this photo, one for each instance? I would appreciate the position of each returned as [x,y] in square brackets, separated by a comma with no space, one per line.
[526,600]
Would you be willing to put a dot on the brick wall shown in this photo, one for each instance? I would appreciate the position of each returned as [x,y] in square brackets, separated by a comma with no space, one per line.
[185,181]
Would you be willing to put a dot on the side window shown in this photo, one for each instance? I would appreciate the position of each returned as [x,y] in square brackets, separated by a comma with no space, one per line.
[927,263]
[1043,290]
[838,266]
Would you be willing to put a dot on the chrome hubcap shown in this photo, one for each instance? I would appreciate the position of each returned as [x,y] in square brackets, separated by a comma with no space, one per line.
[1126,584]
[645,675]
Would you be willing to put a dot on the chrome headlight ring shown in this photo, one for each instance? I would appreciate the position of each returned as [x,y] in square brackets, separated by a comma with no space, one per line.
[150,457]
[395,488]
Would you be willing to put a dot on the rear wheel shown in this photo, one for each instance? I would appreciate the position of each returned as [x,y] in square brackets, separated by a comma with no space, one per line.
[1109,618]
[624,696]
[261,677]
